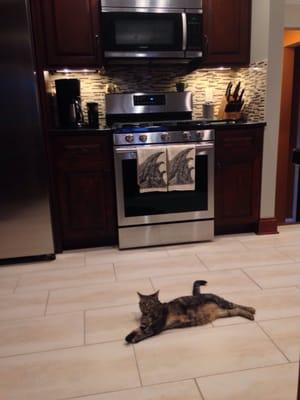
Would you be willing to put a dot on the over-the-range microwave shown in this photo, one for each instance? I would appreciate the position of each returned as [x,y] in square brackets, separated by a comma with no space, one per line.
[152,29]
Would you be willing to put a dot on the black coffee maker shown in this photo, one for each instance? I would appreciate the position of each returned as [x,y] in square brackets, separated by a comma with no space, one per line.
[68,103]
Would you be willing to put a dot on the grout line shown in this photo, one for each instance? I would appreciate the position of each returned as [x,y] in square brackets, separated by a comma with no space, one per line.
[137,365]
[202,262]
[152,284]
[47,301]
[251,279]
[84,328]
[17,284]
[115,272]
[199,389]
[272,340]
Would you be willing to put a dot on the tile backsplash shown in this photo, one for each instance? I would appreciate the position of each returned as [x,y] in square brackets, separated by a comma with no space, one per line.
[203,83]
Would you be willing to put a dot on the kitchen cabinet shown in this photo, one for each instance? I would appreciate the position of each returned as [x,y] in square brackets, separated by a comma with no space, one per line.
[227,29]
[238,165]
[84,189]
[70,31]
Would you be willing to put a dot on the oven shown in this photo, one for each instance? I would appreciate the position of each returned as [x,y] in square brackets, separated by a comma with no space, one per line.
[152,29]
[146,219]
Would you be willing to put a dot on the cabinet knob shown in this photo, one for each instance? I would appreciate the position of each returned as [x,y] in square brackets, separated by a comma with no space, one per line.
[219,164]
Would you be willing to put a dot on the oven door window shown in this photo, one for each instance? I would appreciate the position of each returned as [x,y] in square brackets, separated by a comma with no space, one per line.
[155,203]
[142,32]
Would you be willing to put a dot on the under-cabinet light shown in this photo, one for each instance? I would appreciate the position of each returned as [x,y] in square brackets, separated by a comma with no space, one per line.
[67,70]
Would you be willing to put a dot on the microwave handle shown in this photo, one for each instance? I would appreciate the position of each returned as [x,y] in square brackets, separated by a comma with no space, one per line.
[184,31]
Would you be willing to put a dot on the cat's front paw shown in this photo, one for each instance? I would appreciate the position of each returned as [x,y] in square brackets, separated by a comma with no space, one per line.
[130,338]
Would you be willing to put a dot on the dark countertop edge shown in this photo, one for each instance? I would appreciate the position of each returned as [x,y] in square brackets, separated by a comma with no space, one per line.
[82,131]
[86,131]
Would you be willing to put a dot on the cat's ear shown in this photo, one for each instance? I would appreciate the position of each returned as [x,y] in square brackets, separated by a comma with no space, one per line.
[140,295]
[155,295]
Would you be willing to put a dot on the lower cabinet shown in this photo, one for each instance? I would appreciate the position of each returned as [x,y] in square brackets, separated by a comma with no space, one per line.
[84,190]
[238,179]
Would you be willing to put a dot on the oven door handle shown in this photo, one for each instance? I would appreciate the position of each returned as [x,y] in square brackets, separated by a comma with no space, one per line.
[134,149]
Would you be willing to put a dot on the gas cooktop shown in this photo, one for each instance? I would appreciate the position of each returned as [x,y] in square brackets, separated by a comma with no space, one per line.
[166,126]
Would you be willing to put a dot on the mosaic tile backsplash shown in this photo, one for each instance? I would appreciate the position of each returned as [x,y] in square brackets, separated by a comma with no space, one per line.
[205,84]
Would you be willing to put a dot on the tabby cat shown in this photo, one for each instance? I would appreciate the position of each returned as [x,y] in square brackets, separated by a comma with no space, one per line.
[198,309]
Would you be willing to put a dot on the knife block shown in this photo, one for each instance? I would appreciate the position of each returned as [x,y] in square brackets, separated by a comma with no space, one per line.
[228,115]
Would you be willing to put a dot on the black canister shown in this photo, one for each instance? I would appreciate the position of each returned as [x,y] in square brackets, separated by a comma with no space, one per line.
[93,115]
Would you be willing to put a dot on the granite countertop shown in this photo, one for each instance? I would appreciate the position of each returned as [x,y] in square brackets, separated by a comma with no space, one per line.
[104,129]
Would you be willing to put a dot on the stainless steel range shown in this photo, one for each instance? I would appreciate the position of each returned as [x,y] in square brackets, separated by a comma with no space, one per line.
[162,122]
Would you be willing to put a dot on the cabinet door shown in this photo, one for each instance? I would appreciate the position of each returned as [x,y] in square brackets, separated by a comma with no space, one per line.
[238,180]
[85,191]
[71,29]
[227,26]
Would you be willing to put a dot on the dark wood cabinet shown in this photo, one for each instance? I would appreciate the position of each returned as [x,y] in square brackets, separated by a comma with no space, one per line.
[84,187]
[71,32]
[238,179]
[227,29]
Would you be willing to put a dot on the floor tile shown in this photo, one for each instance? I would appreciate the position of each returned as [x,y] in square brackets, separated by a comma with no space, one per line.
[286,334]
[64,278]
[219,282]
[218,245]
[284,238]
[168,391]
[68,373]
[195,353]
[291,251]
[7,284]
[23,305]
[113,255]
[272,383]
[159,267]
[243,259]
[107,324]
[67,260]
[269,304]
[276,275]
[40,334]
[97,296]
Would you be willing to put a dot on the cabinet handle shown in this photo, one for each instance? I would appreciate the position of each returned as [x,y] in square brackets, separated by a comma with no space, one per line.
[97,37]
[205,50]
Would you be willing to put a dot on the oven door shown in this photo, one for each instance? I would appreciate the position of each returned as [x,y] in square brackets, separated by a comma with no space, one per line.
[135,208]
[147,34]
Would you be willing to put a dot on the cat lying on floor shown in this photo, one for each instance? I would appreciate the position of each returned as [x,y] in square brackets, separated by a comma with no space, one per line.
[198,309]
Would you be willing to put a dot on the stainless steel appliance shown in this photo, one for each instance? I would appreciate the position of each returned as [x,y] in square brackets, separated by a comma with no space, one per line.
[147,219]
[152,29]
[25,224]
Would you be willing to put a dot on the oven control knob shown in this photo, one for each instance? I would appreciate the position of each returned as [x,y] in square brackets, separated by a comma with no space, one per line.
[129,138]
[187,135]
[164,137]
[143,138]
[200,134]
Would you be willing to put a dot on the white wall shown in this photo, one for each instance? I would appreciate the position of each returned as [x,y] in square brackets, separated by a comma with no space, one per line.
[275,57]
[267,43]
[292,16]
[259,34]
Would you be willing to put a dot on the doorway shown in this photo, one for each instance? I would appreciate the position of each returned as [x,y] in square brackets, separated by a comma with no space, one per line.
[288,185]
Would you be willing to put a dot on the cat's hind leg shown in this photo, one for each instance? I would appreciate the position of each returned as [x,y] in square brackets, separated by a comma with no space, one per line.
[234,312]
[226,304]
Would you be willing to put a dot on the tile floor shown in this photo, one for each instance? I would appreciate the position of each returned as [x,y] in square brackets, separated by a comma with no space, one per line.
[63,323]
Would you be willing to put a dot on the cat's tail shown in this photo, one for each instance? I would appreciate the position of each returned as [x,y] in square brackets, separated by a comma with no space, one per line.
[196,287]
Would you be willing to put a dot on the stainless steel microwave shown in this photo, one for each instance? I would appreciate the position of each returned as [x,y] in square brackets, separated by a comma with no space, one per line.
[155,29]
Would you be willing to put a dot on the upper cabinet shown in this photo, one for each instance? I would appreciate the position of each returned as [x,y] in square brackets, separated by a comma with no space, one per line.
[227,29]
[71,32]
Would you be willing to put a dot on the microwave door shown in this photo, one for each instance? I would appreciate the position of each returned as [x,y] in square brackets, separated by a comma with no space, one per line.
[144,35]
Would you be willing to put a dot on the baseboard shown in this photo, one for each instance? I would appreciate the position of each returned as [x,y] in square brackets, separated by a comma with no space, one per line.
[267,226]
